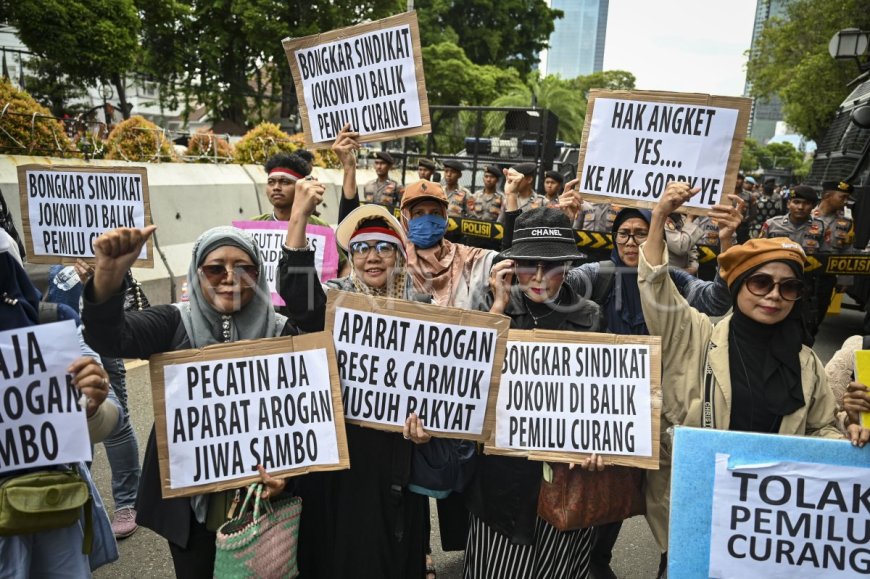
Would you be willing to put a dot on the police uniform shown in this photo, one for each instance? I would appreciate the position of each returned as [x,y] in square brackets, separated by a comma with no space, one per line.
[603,215]
[386,192]
[812,234]
[840,227]
[460,201]
[766,206]
[487,206]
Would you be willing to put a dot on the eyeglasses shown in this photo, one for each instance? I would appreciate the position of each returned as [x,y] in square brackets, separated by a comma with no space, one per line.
[246,274]
[529,267]
[383,248]
[761,284]
[622,236]
[271,182]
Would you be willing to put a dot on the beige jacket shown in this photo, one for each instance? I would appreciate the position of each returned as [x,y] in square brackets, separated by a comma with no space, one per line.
[686,336]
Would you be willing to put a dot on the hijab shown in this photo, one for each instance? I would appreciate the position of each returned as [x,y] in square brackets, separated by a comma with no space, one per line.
[764,360]
[19,299]
[204,324]
[623,307]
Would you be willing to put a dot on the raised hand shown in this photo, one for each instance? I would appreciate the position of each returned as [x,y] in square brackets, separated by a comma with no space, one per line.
[91,380]
[500,278]
[346,146]
[115,252]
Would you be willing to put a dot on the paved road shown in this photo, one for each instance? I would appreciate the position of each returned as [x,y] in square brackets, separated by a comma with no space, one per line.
[146,555]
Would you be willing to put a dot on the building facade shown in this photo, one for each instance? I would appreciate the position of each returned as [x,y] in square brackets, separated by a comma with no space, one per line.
[577,42]
[765,113]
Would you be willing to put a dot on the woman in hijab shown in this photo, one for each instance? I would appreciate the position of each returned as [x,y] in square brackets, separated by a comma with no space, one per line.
[362,522]
[506,538]
[56,552]
[229,301]
[760,343]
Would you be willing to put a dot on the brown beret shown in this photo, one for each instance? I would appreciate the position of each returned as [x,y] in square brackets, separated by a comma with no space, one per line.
[741,258]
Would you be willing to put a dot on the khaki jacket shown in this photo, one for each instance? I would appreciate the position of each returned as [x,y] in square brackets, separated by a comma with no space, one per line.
[687,335]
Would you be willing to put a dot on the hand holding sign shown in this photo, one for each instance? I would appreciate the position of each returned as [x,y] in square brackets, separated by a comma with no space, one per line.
[91,380]
[500,279]
[346,146]
[274,486]
[570,202]
[727,218]
[115,252]
[675,195]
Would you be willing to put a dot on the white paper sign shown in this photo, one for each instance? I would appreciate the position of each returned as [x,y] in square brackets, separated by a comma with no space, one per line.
[41,422]
[636,147]
[69,209]
[224,417]
[790,520]
[391,366]
[575,397]
[368,80]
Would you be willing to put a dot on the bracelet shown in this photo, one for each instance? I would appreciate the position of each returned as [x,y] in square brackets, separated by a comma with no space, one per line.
[306,248]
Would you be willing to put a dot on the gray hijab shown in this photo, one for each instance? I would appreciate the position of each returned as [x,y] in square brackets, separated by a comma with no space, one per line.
[204,324]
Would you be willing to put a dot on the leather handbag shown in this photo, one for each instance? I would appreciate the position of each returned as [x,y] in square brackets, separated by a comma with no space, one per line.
[577,498]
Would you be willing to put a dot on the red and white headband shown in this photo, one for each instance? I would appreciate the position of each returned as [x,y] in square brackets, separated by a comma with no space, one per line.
[285,172]
[377,234]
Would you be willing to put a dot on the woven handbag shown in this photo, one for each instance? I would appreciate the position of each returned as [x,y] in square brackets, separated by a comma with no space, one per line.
[577,499]
[259,544]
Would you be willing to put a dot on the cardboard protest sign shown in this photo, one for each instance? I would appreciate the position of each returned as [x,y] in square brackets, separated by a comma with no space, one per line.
[369,75]
[565,395]
[41,421]
[762,505]
[270,236]
[635,142]
[64,208]
[396,357]
[222,410]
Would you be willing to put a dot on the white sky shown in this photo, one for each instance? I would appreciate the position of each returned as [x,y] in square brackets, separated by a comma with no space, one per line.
[681,45]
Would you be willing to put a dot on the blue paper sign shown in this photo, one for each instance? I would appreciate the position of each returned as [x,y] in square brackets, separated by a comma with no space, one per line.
[757,505]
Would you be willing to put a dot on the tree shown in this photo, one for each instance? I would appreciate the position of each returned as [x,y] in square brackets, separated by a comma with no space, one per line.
[605,79]
[227,54]
[503,33]
[550,92]
[48,84]
[792,61]
[749,161]
[781,156]
[91,41]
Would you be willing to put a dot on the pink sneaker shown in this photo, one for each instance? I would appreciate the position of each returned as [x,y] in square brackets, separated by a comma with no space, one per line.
[124,522]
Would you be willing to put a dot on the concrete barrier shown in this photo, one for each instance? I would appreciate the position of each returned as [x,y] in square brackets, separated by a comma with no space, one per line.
[186,199]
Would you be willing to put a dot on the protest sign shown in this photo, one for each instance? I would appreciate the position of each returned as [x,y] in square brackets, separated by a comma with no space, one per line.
[270,237]
[862,376]
[220,411]
[635,142]
[566,395]
[369,75]
[64,208]
[761,505]
[396,357]
[41,421]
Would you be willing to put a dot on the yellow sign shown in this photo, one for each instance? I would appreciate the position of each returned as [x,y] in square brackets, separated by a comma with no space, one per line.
[477,228]
[848,264]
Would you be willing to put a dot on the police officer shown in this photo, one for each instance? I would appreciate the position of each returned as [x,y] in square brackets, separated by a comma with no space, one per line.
[488,201]
[526,196]
[601,217]
[801,227]
[460,202]
[833,212]
[425,169]
[554,181]
[383,190]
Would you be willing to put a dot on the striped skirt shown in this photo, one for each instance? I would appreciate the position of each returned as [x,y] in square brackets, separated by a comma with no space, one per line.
[554,555]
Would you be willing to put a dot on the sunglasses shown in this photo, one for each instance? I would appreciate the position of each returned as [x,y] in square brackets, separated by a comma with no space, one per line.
[761,284]
[530,267]
[246,274]
[383,248]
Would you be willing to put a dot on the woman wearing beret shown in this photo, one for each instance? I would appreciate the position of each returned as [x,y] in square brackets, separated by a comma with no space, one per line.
[763,378]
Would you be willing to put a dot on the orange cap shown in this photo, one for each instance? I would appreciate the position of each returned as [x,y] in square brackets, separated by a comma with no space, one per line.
[741,258]
[423,190]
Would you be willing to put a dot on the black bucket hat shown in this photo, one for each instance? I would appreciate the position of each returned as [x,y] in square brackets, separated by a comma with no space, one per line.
[543,234]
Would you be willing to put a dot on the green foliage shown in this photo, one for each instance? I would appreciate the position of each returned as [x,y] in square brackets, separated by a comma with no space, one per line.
[770,156]
[550,92]
[503,33]
[50,87]
[452,79]
[792,61]
[605,79]
[21,133]
[91,41]
[263,141]
[138,139]
[749,160]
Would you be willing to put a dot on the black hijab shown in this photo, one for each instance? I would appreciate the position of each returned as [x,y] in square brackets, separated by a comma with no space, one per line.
[623,307]
[19,300]
[764,360]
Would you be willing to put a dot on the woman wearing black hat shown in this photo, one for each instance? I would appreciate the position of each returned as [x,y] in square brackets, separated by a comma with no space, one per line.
[759,344]
[506,537]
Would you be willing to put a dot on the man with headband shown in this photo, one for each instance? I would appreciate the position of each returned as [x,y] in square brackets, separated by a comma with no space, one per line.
[282,172]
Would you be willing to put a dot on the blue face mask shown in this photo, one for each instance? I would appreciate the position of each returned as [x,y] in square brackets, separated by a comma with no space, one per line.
[426,230]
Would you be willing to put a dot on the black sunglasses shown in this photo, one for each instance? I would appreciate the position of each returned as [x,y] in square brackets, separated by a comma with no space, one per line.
[761,284]
[531,266]
[246,274]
